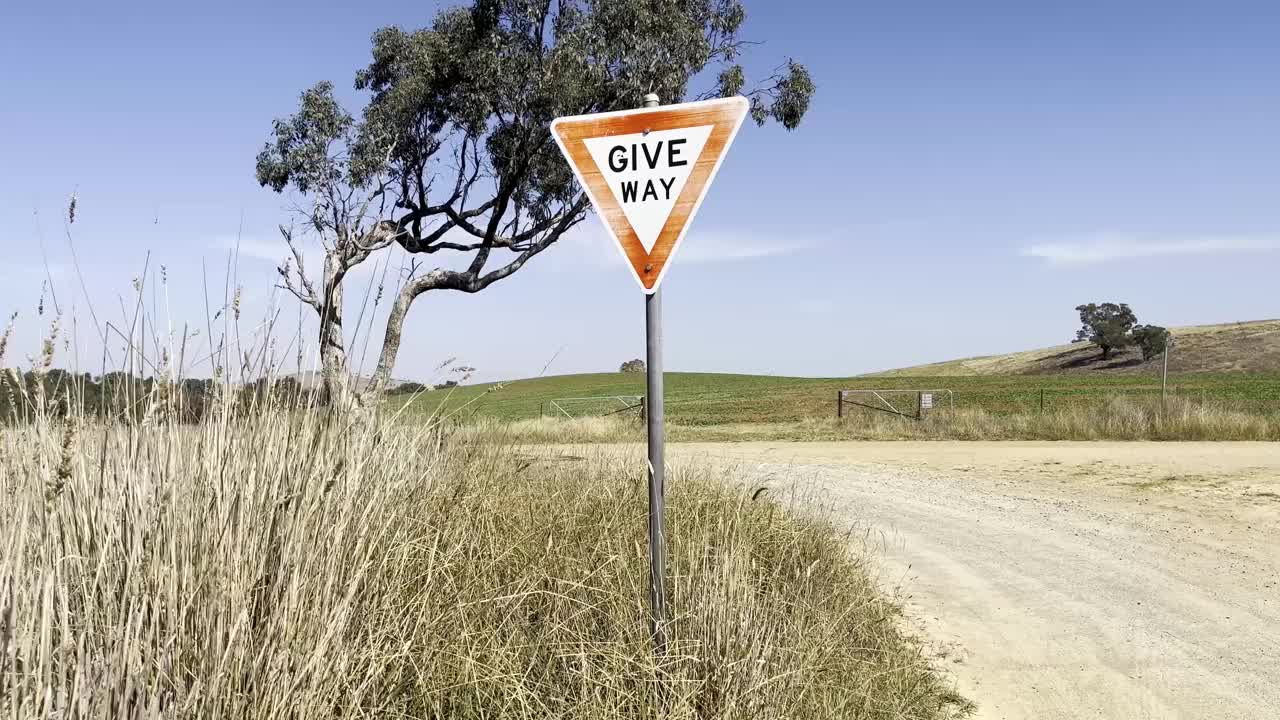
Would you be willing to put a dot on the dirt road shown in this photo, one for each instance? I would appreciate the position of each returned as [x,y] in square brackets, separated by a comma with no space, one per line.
[1070,580]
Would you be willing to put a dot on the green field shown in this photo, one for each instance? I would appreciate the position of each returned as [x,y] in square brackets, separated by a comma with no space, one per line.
[697,399]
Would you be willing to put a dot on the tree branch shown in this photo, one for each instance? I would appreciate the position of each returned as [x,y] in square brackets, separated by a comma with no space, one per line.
[308,292]
[468,282]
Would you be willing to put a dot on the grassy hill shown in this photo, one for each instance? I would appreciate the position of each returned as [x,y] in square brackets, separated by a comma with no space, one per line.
[1234,365]
[1252,347]
[713,399]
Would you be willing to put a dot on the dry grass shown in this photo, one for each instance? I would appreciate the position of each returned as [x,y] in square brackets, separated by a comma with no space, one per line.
[283,565]
[280,561]
[1119,418]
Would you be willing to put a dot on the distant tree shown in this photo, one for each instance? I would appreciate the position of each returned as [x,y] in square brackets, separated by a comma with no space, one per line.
[1106,325]
[1150,339]
[451,155]
[632,366]
[408,388]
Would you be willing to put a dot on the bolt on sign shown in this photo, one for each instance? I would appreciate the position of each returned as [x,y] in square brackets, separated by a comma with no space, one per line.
[646,172]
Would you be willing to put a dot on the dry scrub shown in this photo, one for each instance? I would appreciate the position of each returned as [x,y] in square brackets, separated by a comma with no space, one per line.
[1119,418]
[284,565]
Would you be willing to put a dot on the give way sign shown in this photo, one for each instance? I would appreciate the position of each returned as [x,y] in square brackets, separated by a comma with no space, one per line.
[646,172]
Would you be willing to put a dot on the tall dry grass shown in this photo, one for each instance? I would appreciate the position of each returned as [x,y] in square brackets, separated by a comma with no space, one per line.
[278,560]
[284,563]
[1119,418]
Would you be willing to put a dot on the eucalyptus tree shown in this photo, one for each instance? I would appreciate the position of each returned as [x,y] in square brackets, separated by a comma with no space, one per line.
[1152,340]
[451,157]
[1106,325]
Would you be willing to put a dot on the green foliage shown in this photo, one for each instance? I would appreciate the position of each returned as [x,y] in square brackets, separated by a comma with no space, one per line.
[1151,340]
[483,83]
[632,366]
[301,147]
[1106,325]
[789,101]
[120,396]
[408,388]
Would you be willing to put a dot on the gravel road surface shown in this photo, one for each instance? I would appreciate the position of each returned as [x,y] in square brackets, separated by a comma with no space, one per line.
[1069,580]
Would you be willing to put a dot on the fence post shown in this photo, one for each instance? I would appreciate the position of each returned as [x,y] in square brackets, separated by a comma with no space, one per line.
[644,412]
[839,404]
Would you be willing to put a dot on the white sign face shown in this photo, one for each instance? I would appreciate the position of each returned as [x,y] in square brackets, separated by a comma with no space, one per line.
[926,401]
[647,172]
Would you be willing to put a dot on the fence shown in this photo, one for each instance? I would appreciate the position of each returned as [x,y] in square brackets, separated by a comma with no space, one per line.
[915,404]
[706,400]
[602,406]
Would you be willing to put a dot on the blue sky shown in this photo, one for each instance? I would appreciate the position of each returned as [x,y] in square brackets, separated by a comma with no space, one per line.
[969,172]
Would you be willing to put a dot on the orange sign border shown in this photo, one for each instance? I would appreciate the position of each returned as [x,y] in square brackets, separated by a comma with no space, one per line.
[725,115]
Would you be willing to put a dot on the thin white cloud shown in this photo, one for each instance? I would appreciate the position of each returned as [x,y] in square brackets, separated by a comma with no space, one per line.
[722,246]
[592,246]
[583,246]
[1114,246]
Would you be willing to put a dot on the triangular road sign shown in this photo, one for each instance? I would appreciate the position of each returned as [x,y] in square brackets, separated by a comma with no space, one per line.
[646,172]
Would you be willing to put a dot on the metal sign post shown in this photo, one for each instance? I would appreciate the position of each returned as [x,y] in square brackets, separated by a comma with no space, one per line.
[657,465]
[646,172]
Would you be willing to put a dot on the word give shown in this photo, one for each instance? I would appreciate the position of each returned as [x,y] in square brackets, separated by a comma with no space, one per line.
[638,157]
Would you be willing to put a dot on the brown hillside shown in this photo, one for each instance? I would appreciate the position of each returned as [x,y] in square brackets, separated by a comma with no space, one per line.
[1232,347]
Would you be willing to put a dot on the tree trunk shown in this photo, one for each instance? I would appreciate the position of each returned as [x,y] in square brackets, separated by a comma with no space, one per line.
[1106,352]
[335,383]
[391,340]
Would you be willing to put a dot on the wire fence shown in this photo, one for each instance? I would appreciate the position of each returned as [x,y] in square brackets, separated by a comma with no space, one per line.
[717,400]
[600,406]
[1035,400]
